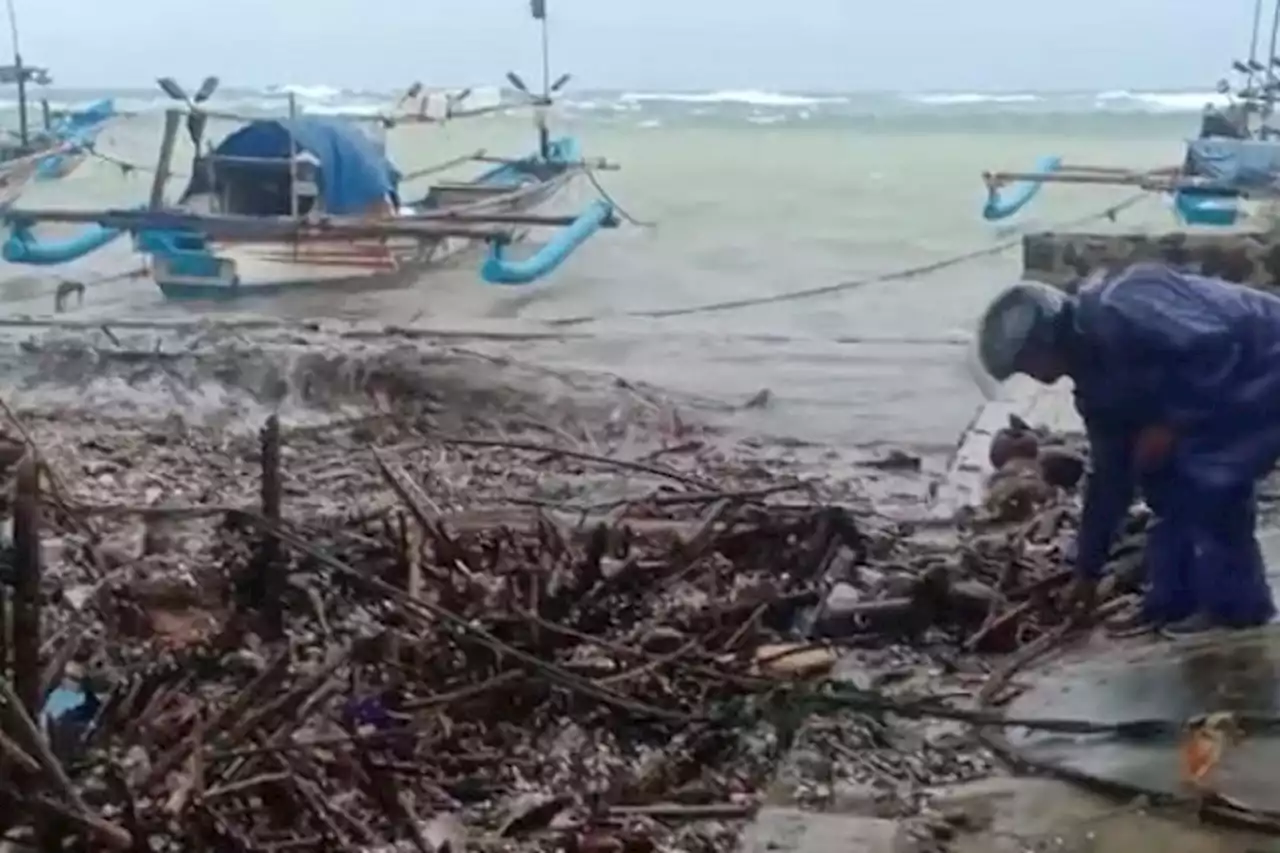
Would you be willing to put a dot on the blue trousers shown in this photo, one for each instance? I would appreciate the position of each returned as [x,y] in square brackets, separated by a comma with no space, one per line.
[1202,555]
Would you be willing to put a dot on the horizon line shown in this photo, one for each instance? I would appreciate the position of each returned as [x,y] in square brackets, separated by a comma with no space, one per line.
[261,87]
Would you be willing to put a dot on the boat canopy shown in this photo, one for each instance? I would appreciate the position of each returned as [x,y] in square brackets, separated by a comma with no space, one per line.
[1236,164]
[356,172]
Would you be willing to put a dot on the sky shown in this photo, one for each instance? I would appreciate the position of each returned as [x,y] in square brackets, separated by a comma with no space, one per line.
[651,45]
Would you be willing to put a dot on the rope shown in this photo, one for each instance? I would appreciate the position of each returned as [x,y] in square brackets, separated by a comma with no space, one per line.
[841,287]
[107,279]
[124,165]
[443,167]
[622,211]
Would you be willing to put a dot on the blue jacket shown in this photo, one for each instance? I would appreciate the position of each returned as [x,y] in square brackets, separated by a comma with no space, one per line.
[1155,346]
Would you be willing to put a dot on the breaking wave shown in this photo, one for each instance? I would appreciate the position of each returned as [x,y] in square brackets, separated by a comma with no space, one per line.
[653,108]
[960,99]
[751,97]
[1171,102]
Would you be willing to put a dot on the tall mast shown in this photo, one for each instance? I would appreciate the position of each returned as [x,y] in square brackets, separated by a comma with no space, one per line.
[539,10]
[1253,42]
[23,132]
[1269,101]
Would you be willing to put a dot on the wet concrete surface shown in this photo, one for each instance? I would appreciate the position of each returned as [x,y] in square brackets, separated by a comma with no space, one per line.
[784,828]
[1109,682]
[1169,681]
[1018,815]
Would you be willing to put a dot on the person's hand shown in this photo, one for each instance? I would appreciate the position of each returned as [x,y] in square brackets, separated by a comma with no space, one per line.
[1082,598]
[1153,446]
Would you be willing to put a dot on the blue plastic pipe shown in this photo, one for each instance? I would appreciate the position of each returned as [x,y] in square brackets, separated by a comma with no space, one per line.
[23,247]
[498,269]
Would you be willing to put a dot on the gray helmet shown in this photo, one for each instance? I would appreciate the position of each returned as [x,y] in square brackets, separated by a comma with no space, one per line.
[1022,314]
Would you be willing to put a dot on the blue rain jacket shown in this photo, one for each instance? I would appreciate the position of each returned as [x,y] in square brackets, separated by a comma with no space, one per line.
[1155,346]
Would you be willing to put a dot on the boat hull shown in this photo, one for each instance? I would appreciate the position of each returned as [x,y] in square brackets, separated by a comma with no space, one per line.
[274,268]
[235,270]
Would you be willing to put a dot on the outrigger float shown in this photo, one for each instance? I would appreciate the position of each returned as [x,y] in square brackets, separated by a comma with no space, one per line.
[302,201]
[1226,193]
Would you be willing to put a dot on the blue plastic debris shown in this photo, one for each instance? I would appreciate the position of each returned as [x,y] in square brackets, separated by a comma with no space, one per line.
[61,702]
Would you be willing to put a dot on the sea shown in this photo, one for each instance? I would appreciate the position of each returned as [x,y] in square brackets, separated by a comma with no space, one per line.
[768,244]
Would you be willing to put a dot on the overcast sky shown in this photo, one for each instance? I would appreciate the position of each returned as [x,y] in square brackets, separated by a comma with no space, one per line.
[836,45]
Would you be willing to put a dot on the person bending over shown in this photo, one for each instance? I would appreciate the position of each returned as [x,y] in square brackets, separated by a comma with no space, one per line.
[1177,379]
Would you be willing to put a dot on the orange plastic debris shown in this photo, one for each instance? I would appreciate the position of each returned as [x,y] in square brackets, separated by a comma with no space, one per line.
[1201,752]
[1202,748]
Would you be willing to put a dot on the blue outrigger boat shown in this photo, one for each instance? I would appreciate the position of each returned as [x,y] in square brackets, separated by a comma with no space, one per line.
[1235,158]
[301,201]
[56,149]
[64,139]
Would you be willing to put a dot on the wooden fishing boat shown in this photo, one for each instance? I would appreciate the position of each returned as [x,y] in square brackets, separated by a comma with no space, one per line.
[1226,193]
[54,150]
[307,201]
[59,145]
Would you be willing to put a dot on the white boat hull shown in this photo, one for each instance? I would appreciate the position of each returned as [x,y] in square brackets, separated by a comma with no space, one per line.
[262,268]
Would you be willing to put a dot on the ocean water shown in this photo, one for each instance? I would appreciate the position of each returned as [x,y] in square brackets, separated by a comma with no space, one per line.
[751,195]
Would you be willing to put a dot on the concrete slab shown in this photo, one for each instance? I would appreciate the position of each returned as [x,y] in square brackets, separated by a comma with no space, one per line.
[1164,681]
[1018,815]
[789,829]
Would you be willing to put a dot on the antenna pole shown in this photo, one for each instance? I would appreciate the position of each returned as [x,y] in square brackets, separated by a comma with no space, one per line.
[546,59]
[23,130]
[1269,97]
[544,136]
[1253,42]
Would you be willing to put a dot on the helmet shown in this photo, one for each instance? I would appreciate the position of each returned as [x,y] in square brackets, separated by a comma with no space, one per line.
[1022,314]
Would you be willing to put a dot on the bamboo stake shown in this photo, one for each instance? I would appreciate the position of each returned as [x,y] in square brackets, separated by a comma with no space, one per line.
[272,581]
[293,166]
[163,165]
[26,604]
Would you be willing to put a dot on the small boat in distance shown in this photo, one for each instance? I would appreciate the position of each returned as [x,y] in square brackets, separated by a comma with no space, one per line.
[306,201]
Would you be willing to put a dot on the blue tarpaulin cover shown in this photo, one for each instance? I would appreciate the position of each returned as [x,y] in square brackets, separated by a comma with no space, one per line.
[356,172]
[1236,163]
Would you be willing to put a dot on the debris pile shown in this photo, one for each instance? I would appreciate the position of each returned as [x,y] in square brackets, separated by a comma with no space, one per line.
[372,635]
[481,625]
[1024,539]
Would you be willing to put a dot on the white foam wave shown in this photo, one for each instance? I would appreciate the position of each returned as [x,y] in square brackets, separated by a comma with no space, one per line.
[1170,102]
[752,97]
[755,106]
[956,99]
[310,93]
